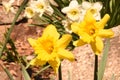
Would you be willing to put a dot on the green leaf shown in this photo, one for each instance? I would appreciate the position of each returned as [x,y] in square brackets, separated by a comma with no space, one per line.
[12,25]
[57,12]
[103,61]
[79,1]
[25,73]
[61,5]
[66,2]
[7,72]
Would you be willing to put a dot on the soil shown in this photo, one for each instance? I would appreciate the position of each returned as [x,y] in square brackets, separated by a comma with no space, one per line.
[82,69]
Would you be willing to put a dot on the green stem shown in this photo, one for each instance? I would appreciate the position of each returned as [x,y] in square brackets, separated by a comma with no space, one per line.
[60,73]
[7,72]
[12,25]
[42,70]
[96,68]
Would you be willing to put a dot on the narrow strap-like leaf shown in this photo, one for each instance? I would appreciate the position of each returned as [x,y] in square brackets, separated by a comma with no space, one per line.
[13,23]
[25,73]
[7,72]
[103,61]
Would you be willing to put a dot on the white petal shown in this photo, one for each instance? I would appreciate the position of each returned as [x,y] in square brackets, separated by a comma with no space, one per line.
[11,1]
[98,6]
[73,3]
[65,10]
[86,5]
[97,16]
[49,10]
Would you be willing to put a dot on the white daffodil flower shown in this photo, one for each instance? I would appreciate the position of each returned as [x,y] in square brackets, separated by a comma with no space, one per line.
[29,12]
[67,25]
[41,6]
[8,6]
[94,7]
[73,11]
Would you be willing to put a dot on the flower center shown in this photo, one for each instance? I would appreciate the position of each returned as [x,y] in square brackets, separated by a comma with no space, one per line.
[73,12]
[48,46]
[92,31]
[40,6]
[93,11]
[30,11]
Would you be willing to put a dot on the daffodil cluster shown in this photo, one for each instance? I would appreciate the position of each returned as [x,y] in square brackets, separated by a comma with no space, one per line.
[75,12]
[82,19]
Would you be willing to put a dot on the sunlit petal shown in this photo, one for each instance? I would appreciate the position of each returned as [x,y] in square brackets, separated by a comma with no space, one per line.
[55,64]
[85,37]
[89,17]
[97,46]
[64,41]
[103,21]
[79,43]
[106,33]
[37,62]
[75,27]
[32,42]
[64,54]
[51,33]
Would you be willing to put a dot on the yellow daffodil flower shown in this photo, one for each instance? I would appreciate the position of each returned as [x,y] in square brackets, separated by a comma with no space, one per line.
[72,11]
[91,32]
[95,8]
[51,48]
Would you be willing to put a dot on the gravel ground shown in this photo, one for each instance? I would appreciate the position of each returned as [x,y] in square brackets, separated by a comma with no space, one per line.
[83,68]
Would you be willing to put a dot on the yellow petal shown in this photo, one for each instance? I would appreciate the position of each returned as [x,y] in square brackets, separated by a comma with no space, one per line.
[104,20]
[97,46]
[106,33]
[50,32]
[64,41]
[89,17]
[43,56]
[79,43]
[32,42]
[37,62]
[55,64]
[36,45]
[85,37]
[64,54]
[75,27]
